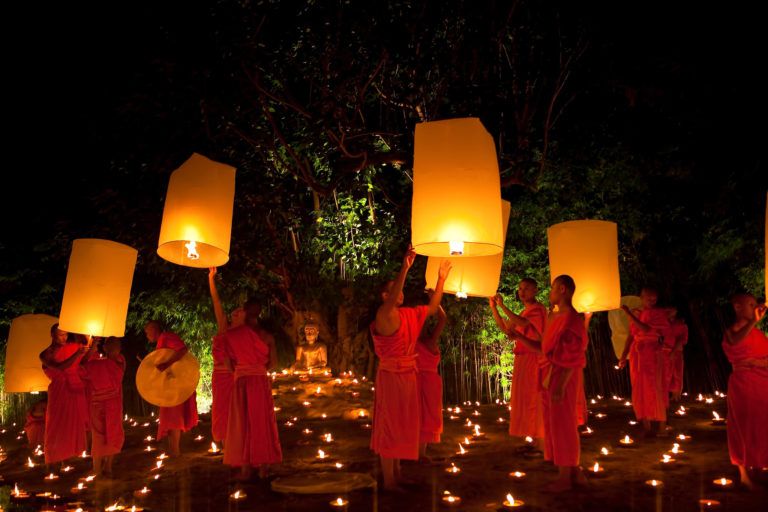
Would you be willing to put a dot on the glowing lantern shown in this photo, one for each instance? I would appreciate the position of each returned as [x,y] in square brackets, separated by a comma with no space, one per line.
[588,251]
[29,335]
[619,322]
[98,288]
[471,277]
[456,190]
[197,218]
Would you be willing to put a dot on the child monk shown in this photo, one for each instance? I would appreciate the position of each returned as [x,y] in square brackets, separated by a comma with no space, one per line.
[564,346]
[397,412]
[430,386]
[645,340]
[182,417]
[747,349]
[103,377]
[35,424]
[525,415]
[222,379]
[67,412]
[252,437]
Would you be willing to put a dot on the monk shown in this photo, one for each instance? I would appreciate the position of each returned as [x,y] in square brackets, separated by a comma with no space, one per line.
[563,346]
[252,437]
[525,415]
[103,377]
[747,349]
[182,417]
[223,378]
[67,412]
[678,338]
[645,340]
[397,411]
[430,386]
[35,424]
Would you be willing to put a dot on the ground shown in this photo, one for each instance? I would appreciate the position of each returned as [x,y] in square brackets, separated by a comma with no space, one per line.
[199,482]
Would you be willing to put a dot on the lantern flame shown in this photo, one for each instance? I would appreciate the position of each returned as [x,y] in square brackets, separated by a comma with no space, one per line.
[191,247]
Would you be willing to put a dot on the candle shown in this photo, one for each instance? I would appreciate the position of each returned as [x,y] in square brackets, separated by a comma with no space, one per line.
[148,439]
[48,495]
[324,416]
[30,464]
[199,438]
[529,439]
[632,422]
[627,441]
[321,455]
[457,410]
[327,438]
[476,413]
[512,503]
[597,470]
[500,420]
[339,465]
[604,451]
[318,391]
[477,434]
[517,475]
[667,461]
[238,495]
[84,455]
[700,398]
[306,432]
[708,504]
[716,419]
[51,476]
[143,492]
[461,451]
[683,437]
[676,449]
[628,404]
[306,404]
[654,483]
[79,488]
[600,415]
[723,482]
[680,411]
[214,450]
[89,478]
[450,500]
[149,448]
[19,494]
[158,465]
[115,506]
[361,415]
[162,456]
[587,432]
[452,417]
[709,400]
[366,425]
[339,503]
[453,470]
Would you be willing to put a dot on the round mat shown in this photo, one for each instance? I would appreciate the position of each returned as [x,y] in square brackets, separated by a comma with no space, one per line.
[171,387]
[323,483]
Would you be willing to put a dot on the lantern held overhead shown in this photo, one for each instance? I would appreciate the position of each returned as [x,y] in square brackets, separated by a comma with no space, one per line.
[98,287]
[29,335]
[456,190]
[197,218]
[473,276]
[588,251]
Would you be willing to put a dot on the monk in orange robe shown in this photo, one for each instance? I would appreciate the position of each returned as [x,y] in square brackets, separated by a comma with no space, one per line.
[525,414]
[67,412]
[222,380]
[430,386]
[564,346]
[182,417]
[747,349]
[397,411]
[252,437]
[678,338]
[646,340]
[35,424]
[103,377]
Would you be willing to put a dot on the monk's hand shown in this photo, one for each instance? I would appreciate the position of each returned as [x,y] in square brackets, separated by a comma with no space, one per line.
[410,256]
[445,269]
[212,272]
[492,301]
[162,367]
[622,363]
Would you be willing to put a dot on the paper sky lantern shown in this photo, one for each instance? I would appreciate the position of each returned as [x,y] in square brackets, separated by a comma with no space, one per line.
[98,287]
[471,277]
[29,335]
[197,218]
[588,251]
[619,323]
[456,190]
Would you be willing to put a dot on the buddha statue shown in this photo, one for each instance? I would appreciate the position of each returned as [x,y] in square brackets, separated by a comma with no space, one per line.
[311,356]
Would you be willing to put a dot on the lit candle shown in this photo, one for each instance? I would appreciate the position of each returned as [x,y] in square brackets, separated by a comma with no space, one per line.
[587,432]
[700,398]
[461,451]
[723,482]
[324,416]
[676,449]
[143,492]
[339,503]
[321,455]
[627,404]
[477,434]
[79,488]
[517,475]
[604,451]
[709,400]
[149,448]
[450,500]
[306,404]
[84,455]
[597,470]
[680,411]
[457,410]
[500,420]
[306,432]
[238,495]
[600,415]
[476,413]
[89,478]
[667,461]
[19,494]
[67,469]
[466,441]
[366,425]
[214,450]
[327,438]
[627,441]
[468,424]
[339,465]
[512,503]
[683,437]
[654,483]
[716,419]
[30,464]
[708,504]
[148,439]
[158,465]
[361,415]
[51,476]
[162,456]
[632,422]
[453,418]
[453,470]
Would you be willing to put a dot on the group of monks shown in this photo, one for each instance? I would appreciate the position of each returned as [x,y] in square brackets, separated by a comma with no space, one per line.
[547,389]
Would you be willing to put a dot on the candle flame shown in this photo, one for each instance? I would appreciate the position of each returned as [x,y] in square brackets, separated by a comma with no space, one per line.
[159,464]
[604,450]
[589,430]
[528,439]
[477,430]
[320,454]
[144,490]
[461,449]
[717,416]
[339,501]
[318,390]
[16,491]
[30,463]
[214,448]
[518,474]
[510,499]
[236,495]
[654,483]
[666,457]
[192,250]
[466,440]
[80,486]
[596,467]
[626,439]
[723,481]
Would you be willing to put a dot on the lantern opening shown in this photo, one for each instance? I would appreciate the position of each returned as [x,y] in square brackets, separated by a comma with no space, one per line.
[192,250]
[456,247]
[461,295]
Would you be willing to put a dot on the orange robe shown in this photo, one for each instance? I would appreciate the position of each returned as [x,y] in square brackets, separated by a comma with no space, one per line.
[525,415]
[564,347]
[430,393]
[67,412]
[35,430]
[748,400]
[397,408]
[252,437]
[103,379]
[183,416]
[222,382]
[649,393]
[679,333]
